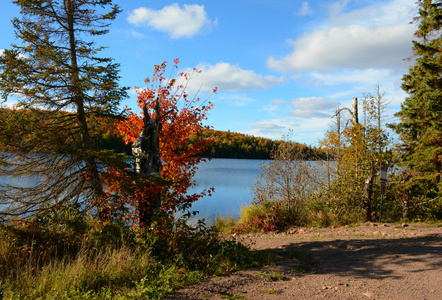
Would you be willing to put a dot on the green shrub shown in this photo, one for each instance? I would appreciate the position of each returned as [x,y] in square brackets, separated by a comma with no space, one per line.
[262,217]
[225,224]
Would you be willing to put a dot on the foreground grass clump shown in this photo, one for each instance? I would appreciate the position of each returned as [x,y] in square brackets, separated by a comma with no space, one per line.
[70,256]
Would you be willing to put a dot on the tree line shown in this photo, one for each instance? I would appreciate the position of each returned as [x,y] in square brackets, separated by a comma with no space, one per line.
[224,144]
[228,144]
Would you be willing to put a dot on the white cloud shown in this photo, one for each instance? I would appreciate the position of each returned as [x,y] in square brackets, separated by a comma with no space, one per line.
[305,9]
[354,46]
[313,107]
[275,128]
[364,76]
[313,103]
[178,22]
[386,14]
[376,36]
[227,77]
[361,81]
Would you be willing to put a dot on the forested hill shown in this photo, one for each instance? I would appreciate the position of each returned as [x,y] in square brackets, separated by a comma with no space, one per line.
[237,145]
[226,144]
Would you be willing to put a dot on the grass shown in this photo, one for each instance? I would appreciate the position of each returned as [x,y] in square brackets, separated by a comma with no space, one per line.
[88,260]
[270,292]
[225,224]
[270,276]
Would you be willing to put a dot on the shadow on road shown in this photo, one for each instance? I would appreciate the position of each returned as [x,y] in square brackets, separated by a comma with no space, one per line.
[364,258]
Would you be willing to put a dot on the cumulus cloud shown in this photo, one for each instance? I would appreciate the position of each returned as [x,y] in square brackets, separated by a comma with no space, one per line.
[313,107]
[354,46]
[376,36]
[227,77]
[364,76]
[313,103]
[269,127]
[178,22]
[379,15]
[276,128]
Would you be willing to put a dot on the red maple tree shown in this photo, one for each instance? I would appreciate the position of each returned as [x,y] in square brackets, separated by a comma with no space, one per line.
[181,119]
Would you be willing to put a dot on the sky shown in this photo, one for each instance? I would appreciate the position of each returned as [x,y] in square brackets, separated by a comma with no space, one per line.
[278,65]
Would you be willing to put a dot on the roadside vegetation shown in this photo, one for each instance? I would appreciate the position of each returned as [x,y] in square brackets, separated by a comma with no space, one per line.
[68,255]
[346,189]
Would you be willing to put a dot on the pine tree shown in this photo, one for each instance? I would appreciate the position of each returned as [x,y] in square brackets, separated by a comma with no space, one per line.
[420,125]
[64,92]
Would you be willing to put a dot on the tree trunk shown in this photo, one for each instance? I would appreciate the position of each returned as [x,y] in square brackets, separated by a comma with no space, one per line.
[78,99]
[366,201]
[146,149]
[405,208]
[355,119]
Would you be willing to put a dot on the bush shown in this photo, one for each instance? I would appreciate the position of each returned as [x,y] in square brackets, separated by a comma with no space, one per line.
[262,217]
[225,224]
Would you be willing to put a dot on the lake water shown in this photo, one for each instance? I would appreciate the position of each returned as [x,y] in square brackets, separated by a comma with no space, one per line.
[232,179]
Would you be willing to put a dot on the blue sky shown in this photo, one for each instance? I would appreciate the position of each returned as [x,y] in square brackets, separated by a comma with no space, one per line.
[278,65]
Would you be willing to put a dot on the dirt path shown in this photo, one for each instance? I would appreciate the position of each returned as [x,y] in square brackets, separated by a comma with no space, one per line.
[369,261]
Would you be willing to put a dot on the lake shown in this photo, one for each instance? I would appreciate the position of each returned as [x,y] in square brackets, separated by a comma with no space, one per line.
[232,179]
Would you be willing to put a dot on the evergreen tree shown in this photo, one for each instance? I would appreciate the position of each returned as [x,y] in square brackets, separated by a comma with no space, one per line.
[64,92]
[420,125]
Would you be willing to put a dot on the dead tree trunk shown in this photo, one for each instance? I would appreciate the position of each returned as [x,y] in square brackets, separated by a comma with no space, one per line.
[146,149]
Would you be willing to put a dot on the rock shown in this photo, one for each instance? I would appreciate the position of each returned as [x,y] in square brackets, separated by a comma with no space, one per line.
[404,225]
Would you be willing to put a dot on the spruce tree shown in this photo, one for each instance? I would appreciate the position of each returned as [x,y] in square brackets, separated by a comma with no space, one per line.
[420,125]
[65,92]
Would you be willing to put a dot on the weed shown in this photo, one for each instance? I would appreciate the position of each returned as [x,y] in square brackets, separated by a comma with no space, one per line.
[270,276]
[225,224]
[270,292]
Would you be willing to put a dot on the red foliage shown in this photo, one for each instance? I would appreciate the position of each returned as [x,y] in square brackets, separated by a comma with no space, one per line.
[182,117]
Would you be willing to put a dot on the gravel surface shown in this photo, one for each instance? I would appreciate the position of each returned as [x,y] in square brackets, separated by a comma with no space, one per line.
[369,261]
